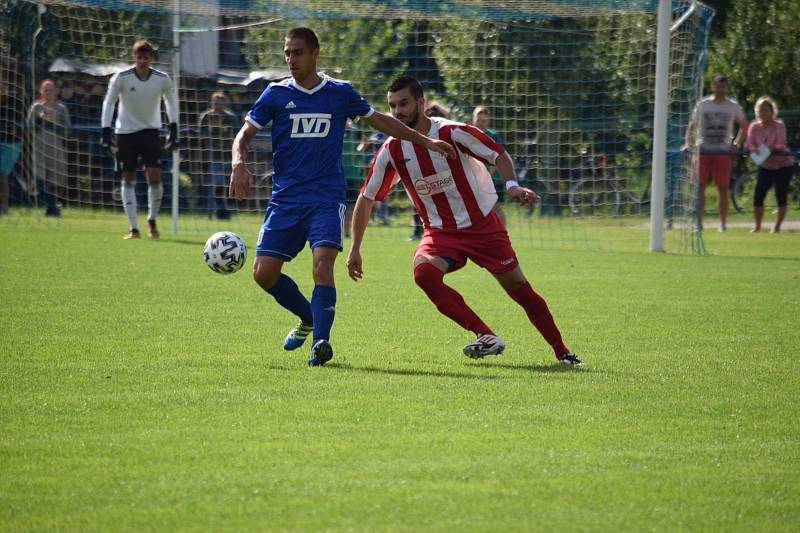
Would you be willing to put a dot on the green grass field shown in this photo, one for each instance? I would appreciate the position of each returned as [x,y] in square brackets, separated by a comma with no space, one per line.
[141,391]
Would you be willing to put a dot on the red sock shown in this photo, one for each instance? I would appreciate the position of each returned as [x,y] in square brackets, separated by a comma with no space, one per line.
[539,315]
[447,300]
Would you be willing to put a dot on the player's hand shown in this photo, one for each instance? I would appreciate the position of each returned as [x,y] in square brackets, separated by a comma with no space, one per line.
[523,195]
[172,138]
[441,147]
[241,178]
[354,268]
[105,140]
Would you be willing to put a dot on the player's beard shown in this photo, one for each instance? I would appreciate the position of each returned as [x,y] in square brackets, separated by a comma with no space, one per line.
[412,119]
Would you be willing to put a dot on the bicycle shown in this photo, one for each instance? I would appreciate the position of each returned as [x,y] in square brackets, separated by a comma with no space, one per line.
[743,186]
[599,192]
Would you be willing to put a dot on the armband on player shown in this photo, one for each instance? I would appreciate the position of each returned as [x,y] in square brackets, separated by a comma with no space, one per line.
[511,184]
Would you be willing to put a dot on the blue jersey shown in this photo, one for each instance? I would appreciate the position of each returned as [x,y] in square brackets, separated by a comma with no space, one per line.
[308,128]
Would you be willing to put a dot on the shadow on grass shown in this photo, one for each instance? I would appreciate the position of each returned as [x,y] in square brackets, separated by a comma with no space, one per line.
[409,372]
[554,368]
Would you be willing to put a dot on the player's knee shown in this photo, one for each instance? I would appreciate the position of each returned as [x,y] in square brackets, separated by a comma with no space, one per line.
[513,285]
[265,278]
[323,270]
[427,276]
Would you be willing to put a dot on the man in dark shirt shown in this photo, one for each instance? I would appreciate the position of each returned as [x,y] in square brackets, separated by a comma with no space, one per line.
[218,126]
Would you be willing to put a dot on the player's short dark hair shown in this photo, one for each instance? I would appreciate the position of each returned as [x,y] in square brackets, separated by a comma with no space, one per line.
[307,34]
[143,46]
[407,82]
[720,78]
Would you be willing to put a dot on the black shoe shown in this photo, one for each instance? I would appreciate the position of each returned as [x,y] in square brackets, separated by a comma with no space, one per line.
[570,358]
[321,353]
[53,211]
[152,230]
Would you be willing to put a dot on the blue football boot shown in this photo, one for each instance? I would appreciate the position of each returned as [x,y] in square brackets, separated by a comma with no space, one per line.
[297,336]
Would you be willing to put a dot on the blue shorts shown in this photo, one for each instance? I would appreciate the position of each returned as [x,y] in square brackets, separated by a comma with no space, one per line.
[286,229]
[9,153]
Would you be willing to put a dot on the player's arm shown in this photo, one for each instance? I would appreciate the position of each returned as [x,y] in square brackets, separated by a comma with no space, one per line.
[394,128]
[240,176]
[168,95]
[505,166]
[109,103]
[488,151]
[780,142]
[741,121]
[361,214]
[749,146]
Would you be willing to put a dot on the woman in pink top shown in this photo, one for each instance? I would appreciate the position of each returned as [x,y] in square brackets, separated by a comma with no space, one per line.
[776,169]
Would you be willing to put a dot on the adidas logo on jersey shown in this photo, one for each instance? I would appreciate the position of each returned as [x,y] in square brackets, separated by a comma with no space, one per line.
[290,105]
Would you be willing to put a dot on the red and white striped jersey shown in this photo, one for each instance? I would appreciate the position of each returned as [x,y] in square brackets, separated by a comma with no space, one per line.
[448,193]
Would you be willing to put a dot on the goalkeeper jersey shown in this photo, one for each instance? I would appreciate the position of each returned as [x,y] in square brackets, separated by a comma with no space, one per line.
[308,128]
[139,101]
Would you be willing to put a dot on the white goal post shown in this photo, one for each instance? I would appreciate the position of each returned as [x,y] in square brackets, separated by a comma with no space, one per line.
[591,100]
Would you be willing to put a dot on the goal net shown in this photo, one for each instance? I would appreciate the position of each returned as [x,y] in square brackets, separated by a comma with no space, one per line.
[566,85]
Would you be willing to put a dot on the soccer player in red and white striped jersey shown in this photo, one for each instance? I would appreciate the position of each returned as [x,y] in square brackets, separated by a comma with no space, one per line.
[454,197]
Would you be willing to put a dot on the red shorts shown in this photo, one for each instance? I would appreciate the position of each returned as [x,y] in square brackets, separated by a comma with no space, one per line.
[486,244]
[717,167]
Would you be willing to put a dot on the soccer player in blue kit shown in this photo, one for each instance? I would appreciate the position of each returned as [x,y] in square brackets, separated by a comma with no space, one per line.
[308,112]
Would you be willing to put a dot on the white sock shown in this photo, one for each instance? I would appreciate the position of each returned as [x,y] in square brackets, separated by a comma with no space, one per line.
[129,203]
[154,195]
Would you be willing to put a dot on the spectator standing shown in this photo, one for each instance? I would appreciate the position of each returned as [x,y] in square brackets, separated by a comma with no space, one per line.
[218,126]
[50,124]
[712,125]
[767,132]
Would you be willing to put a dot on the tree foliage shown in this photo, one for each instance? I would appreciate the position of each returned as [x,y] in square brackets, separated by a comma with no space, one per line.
[760,55]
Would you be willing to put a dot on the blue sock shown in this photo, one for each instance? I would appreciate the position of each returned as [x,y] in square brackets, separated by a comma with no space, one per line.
[287,294]
[323,307]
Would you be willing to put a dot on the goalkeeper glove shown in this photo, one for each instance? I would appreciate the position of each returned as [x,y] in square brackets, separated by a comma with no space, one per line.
[105,142]
[172,139]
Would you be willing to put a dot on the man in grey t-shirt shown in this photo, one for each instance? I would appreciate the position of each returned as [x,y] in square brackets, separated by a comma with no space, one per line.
[712,126]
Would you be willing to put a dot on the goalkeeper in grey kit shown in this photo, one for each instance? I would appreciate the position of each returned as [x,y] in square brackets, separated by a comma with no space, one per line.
[139,91]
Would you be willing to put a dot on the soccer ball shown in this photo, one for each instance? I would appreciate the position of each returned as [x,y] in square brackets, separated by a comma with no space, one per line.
[225,252]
